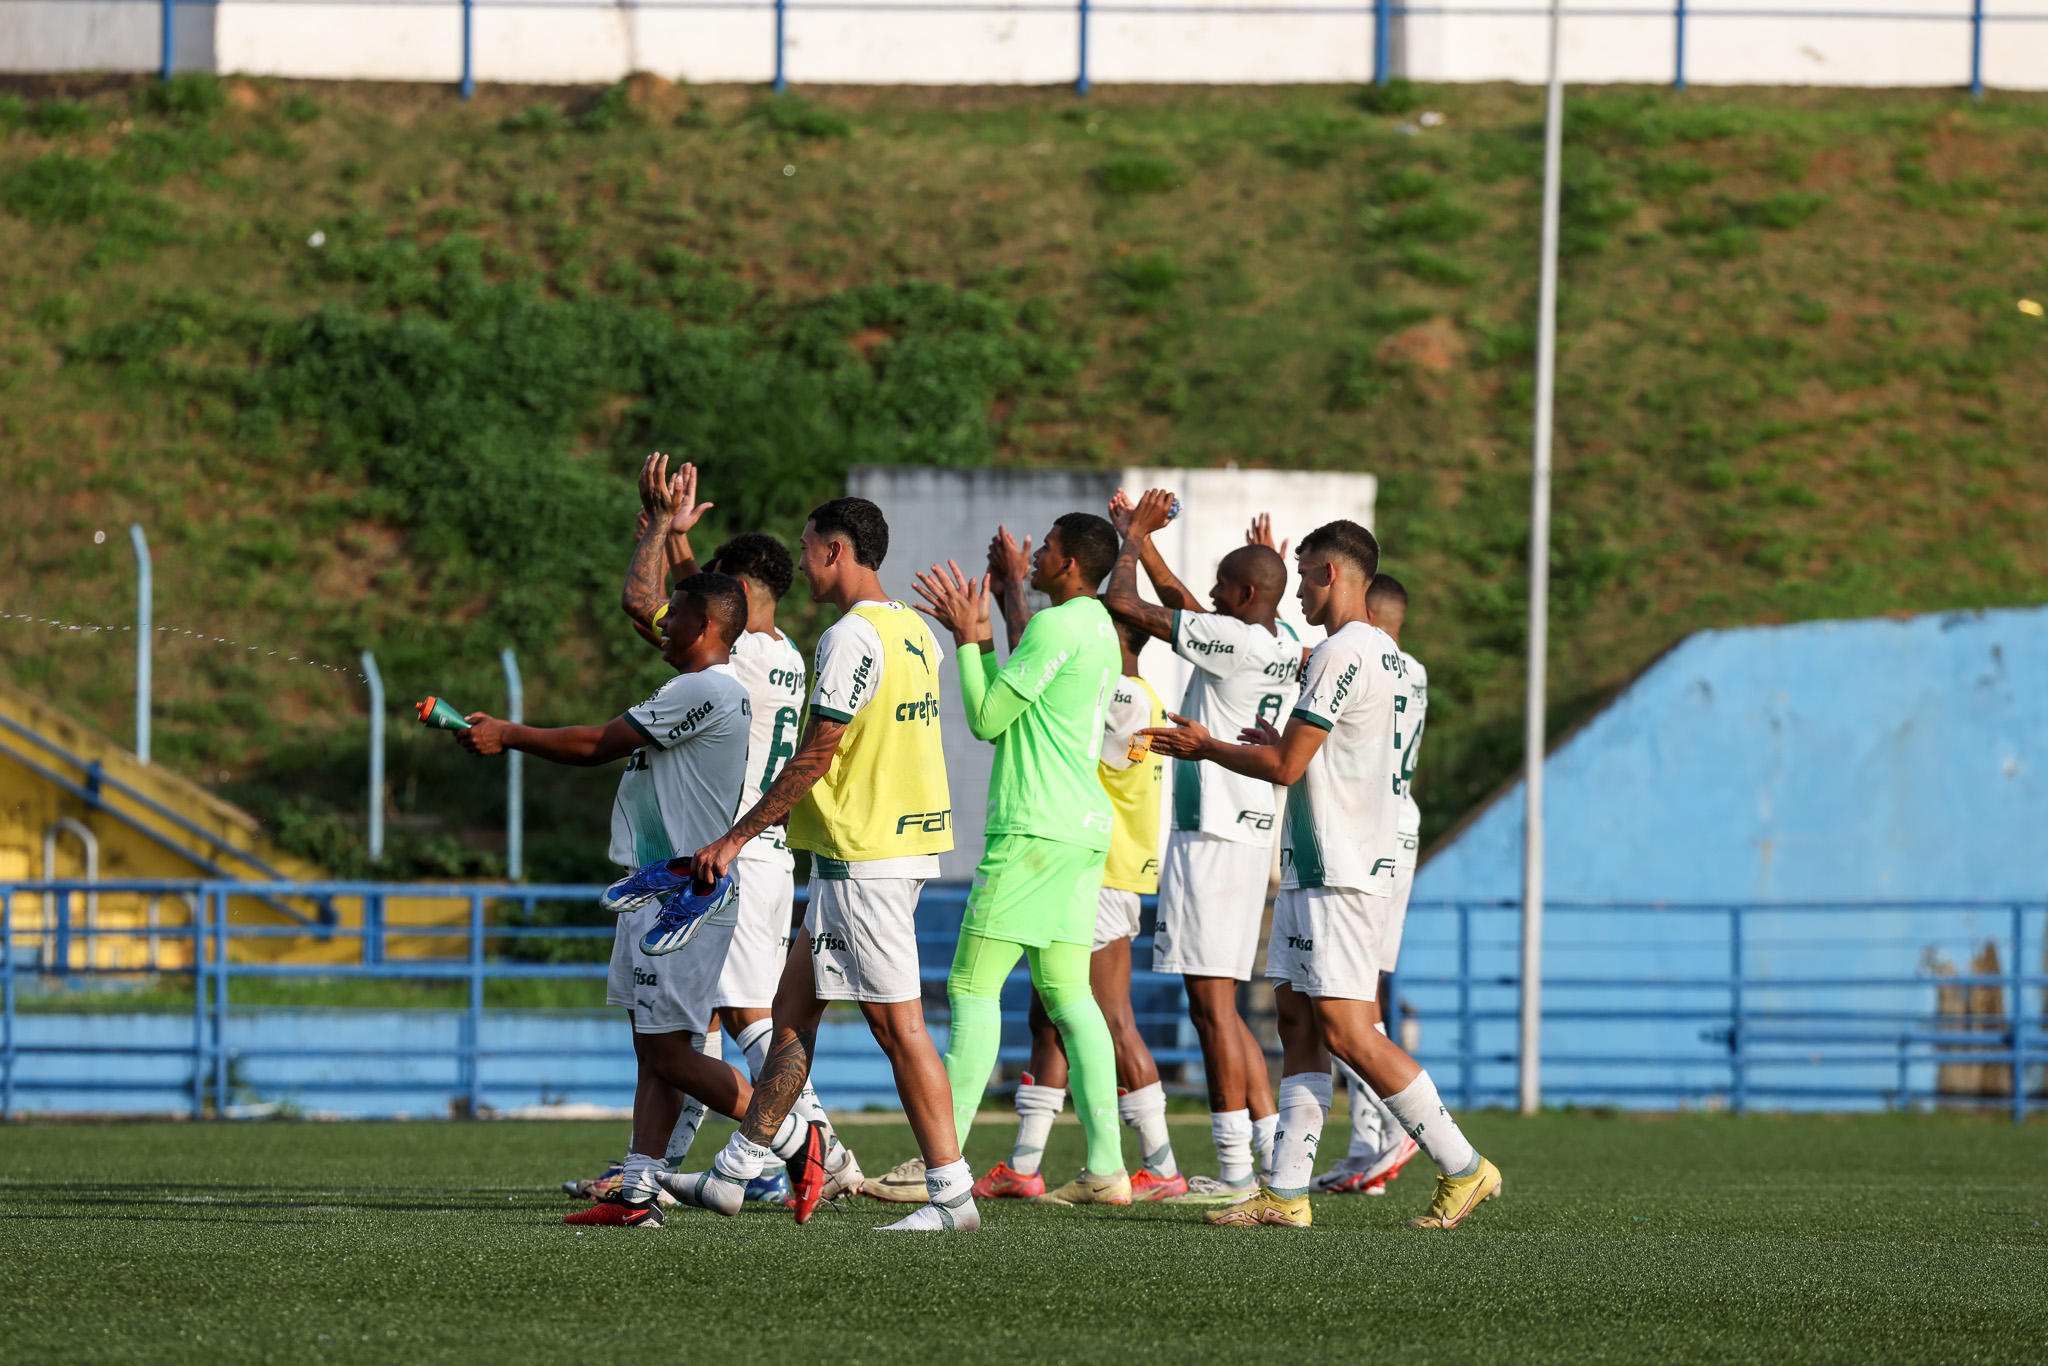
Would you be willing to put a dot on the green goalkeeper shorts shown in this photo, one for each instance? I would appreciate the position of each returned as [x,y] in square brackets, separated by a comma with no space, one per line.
[1035,892]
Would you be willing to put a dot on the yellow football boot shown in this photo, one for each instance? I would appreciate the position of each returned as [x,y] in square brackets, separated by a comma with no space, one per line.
[1263,1208]
[1458,1196]
[1090,1189]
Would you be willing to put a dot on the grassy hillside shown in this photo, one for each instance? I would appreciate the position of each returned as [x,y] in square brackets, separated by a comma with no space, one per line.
[374,367]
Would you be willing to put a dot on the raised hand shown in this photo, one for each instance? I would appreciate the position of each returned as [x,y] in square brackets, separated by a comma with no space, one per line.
[1259,732]
[1153,512]
[1261,533]
[1184,739]
[1120,509]
[683,498]
[957,602]
[1009,564]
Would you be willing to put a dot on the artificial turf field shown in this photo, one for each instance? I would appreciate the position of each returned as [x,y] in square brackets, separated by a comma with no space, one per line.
[1618,1239]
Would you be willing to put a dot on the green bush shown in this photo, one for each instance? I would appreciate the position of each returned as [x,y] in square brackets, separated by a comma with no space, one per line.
[539,118]
[794,116]
[611,109]
[1435,219]
[1129,173]
[13,112]
[191,96]
[1396,96]
[55,118]
[1427,265]
[1785,209]
[1144,282]
[56,188]
[301,109]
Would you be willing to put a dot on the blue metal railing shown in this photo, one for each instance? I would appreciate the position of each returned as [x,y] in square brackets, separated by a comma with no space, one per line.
[1709,1018]
[1381,12]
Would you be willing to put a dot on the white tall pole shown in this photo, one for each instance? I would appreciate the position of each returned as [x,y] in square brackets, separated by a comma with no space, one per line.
[376,680]
[145,636]
[515,789]
[1531,1078]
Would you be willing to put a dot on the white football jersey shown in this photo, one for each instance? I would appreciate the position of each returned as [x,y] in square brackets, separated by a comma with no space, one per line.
[772,671]
[1411,706]
[1241,672]
[679,788]
[1343,816]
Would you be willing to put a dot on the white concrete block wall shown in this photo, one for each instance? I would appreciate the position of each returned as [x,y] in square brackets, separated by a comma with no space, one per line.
[935,514]
[556,41]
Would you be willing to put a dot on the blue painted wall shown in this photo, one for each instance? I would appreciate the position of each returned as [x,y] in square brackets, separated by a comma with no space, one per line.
[1832,759]
[1838,760]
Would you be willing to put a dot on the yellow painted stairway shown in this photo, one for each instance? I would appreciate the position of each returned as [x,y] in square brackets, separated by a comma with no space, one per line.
[76,805]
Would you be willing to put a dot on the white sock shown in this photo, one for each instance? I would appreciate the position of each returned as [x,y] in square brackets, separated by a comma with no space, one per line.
[951,1191]
[753,1041]
[1370,1121]
[1422,1114]
[1036,1108]
[742,1159]
[1145,1110]
[1262,1140]
[692,1119]
[790,1137]
[1232,1130]
[639,1184]
[1304,1105]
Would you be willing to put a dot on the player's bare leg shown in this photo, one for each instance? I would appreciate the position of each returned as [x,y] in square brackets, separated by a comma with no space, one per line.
[753,1029]
[1350,1030]
[1235,1069]
[1141,1101]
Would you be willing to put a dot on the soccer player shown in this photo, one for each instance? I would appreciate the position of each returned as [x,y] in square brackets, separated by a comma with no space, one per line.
[1212,881]
[1132,870]
[1338,854]
[756,944]
[1379,1149]
[1049,820]
[866,794]
[688,748]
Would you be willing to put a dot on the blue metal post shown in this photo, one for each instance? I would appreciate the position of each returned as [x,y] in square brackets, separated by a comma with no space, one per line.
[476,999]
[373,928]
[2019,1015]
[220,1004]
[1738,1072]
[1081,81]
[1466,1043]
[61,956]
[201,911]
[7,992]
[1678,66]
[515,785]
[468,48]
[781,81]
[170,37]
[1383,55]
[1977,49]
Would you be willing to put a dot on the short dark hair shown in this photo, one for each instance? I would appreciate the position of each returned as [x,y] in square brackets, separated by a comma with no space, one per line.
[761,558]
[1090,542]
[725,602]
[1387,588]
[1347,541]
[860,522]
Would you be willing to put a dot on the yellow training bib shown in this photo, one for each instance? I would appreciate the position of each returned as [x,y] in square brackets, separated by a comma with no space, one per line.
[885,795]
[1133,864]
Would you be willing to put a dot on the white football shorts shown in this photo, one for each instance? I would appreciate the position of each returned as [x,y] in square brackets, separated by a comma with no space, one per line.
[864,939]
[1326,941]
[1211,895]
[760,939]
[1116,916]
[676,991]
[1397,914]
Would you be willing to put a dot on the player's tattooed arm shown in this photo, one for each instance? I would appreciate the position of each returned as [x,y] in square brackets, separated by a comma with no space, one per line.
[813,759]
[1120,594]
[1009,571]
[780,1083]
[1150,514]
[669,505]
[1282,761]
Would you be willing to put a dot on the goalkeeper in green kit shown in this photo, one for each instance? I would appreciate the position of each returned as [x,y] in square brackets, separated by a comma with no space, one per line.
[1049,821]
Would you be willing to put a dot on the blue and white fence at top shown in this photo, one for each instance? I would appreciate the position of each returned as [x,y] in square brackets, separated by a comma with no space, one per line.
[1647,1005]
[1383,14]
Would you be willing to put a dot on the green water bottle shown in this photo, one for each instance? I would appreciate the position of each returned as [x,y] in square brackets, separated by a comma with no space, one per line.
[436,712]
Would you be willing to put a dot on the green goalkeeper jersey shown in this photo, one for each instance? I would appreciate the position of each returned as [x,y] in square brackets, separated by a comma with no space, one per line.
[1044,711]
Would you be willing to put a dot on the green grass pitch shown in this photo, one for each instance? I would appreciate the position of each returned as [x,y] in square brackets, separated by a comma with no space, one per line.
[1696,1238]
